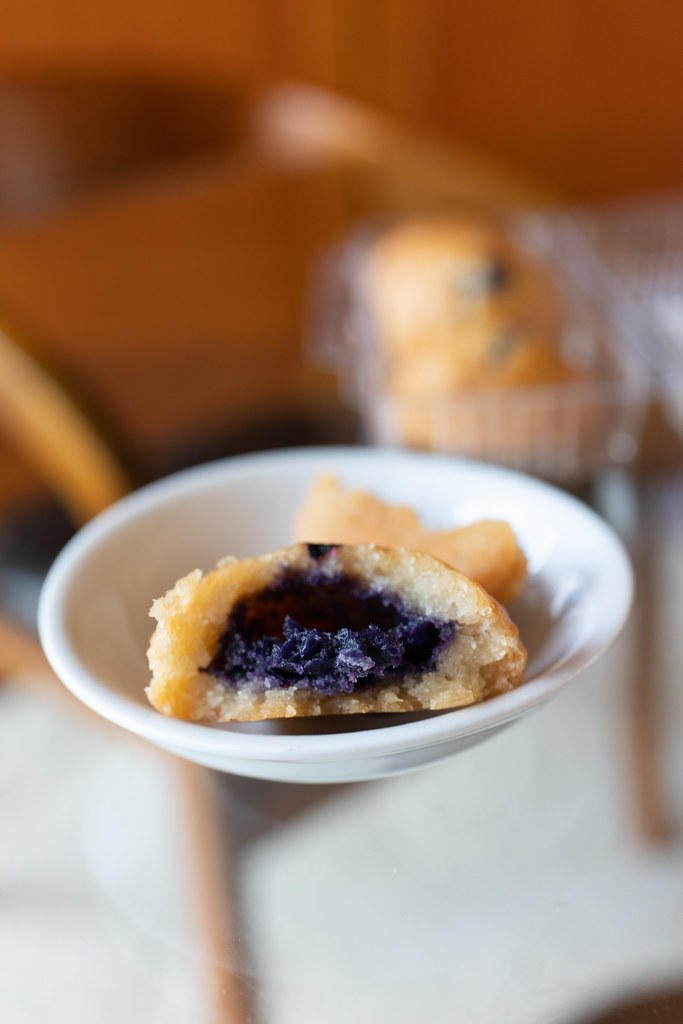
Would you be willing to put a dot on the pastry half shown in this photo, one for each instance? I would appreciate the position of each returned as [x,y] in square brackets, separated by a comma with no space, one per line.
[487,551]
[319,629]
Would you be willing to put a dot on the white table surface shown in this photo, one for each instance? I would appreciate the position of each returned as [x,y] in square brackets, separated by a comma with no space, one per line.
[504,886]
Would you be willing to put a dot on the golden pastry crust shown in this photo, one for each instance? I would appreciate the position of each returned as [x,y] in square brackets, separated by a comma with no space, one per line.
[486,551]
[484,658]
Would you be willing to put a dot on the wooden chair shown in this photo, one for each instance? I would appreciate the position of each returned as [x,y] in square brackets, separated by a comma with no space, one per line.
[305,124]
[56,434]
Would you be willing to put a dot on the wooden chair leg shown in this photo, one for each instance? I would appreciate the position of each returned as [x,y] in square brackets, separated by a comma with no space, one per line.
[214,900]
[22,661]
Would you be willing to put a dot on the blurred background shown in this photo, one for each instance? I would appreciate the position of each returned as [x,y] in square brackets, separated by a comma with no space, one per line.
[172,179]
[158,220]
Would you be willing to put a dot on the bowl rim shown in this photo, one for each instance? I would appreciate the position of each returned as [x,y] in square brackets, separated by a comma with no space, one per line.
[393,738]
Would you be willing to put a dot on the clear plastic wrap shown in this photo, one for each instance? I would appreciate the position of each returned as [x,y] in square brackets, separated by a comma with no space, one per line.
[641,243]
[566,432]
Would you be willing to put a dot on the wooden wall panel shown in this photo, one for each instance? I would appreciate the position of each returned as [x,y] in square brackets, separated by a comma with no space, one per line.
[221,39]
[587,92]
[183,308]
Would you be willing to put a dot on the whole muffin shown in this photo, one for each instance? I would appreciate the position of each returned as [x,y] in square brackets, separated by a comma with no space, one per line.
[454,304]
[468,332]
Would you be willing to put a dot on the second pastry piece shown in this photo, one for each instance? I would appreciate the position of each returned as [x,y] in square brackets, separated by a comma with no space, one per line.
[487,551]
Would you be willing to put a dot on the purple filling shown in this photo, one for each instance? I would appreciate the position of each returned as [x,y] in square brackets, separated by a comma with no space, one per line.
[318,551]
[331,635]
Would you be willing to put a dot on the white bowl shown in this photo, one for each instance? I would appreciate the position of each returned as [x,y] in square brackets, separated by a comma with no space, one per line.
[95,629]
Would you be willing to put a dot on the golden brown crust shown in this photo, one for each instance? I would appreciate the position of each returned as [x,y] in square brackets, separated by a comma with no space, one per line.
[485,658]
[486,551]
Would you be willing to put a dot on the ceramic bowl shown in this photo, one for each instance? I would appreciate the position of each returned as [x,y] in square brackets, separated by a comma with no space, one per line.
[95,628]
